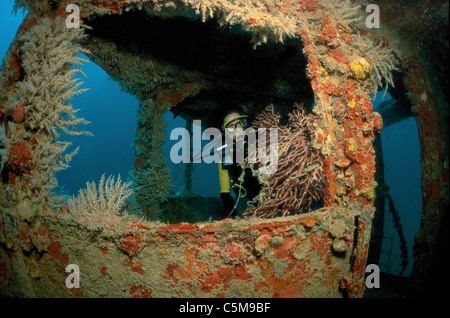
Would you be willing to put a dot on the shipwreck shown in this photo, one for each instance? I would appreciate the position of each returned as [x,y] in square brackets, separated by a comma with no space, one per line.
[182,55]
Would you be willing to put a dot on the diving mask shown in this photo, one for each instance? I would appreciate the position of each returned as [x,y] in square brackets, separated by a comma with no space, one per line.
[235,122]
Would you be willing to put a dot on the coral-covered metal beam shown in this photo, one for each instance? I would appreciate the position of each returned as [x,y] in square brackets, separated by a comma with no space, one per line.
[302,256]
[435,174]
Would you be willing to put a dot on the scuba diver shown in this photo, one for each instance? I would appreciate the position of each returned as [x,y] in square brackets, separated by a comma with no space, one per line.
[229,169]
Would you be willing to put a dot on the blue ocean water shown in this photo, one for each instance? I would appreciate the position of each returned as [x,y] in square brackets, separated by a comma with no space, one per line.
[113,117]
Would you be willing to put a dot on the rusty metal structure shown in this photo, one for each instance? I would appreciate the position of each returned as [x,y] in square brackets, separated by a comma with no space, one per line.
[181,63]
